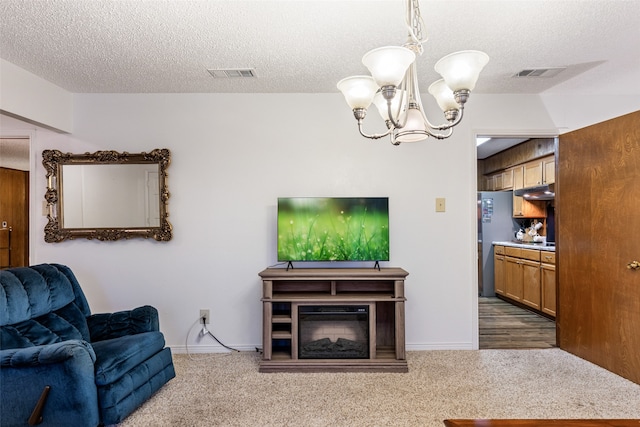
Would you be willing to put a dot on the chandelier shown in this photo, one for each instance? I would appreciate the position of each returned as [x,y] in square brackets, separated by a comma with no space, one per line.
[393,86]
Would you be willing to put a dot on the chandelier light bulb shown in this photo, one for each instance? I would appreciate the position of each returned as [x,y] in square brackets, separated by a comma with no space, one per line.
[388,64]
[381,104]
[415,128]
[460,70]
[443,95]
[358,91]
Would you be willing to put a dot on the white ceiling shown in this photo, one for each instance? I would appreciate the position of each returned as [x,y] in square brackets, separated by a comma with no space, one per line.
[307,46]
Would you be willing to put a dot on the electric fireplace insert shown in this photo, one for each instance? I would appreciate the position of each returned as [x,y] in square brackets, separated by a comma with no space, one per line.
[333,332]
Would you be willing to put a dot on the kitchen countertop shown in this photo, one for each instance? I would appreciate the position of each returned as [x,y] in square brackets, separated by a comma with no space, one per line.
[525,245]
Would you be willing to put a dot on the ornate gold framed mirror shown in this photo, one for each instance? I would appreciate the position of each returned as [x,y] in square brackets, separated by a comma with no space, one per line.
[107,195]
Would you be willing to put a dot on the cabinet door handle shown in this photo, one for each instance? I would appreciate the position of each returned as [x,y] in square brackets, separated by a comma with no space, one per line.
[633,265]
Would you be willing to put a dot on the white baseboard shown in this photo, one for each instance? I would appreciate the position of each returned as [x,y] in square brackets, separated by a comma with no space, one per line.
[215,348]
[197,349]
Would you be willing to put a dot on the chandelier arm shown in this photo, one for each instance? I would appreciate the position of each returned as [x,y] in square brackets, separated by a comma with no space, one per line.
[428,133]
[441,135]
[395,124]
[445,126]
[375,135]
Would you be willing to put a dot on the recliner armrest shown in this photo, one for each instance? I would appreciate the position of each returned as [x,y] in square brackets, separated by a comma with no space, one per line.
[44,354]
[130,322]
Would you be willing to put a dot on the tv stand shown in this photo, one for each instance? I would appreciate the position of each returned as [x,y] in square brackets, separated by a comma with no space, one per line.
[381,291]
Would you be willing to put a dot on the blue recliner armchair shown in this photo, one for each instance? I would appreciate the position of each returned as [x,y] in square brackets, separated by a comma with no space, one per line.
[62,366]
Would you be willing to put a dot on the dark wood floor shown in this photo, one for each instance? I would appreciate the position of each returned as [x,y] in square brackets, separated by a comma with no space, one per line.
[506,326]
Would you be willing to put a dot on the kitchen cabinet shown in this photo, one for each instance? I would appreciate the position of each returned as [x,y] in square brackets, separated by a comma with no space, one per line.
[518,177]
[499,270]
[513,278]
[507,179]
[540,172]
[548,283]
[523,276]
[531,294]
[532,173]
[549,170]
[523,208]
[499,181]
[489,183]
[526,276]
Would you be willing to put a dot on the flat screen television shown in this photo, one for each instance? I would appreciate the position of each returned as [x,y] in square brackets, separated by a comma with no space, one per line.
[333,229]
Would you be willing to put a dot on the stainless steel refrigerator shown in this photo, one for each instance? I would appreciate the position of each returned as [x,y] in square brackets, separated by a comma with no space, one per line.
[495,223]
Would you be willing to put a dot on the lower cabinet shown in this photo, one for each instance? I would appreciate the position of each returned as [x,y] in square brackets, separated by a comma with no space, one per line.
[548,284]
[499,265]
[526,276]
[531,284]
[513,278]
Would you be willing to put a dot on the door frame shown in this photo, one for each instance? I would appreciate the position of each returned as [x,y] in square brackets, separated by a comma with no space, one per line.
[28,134]
[498,133]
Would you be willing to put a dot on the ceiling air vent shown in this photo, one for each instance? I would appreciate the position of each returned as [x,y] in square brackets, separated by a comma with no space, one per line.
[540,72]
[230,73]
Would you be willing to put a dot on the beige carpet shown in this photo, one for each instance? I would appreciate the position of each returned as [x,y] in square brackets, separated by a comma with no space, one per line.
[227,390]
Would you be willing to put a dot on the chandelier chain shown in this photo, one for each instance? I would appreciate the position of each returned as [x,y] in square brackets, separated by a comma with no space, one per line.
[415,23]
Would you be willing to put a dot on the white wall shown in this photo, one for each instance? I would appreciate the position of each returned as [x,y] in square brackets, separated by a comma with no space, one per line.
[31,98]
[571,112]
[232,156]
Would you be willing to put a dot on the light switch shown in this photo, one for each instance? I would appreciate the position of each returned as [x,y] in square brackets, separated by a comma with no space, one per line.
[440,204]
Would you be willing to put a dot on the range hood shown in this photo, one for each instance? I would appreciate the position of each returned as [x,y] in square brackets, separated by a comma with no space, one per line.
[539,192]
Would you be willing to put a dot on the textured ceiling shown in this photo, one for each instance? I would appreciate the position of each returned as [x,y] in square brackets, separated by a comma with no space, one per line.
[307,46]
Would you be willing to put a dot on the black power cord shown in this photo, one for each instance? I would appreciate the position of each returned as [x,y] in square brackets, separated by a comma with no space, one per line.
[205,331]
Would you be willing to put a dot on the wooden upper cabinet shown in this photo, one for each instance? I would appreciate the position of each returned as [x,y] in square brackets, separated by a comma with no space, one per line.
[549,170]
[497,183]
[518,178]
[533,173]
[507,179]
[530,174]
[489,183]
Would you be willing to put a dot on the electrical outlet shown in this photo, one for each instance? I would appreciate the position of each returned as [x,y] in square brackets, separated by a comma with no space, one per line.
[205,313]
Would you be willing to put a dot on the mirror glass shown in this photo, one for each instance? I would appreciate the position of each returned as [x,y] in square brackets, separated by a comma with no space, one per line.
[107,195]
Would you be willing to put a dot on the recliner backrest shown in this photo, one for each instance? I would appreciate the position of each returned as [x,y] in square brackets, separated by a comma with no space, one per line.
[42,304]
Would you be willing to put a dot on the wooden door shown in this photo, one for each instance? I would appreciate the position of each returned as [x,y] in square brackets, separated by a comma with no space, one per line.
[597,206]
[14,211]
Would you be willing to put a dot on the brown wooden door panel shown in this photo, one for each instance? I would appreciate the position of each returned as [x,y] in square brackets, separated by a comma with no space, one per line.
[598,206]
[14,208]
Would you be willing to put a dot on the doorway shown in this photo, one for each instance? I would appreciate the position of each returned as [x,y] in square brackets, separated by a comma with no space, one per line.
[505,322]
[14,201]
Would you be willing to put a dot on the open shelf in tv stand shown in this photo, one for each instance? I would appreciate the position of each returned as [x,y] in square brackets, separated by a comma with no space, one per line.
[283,291]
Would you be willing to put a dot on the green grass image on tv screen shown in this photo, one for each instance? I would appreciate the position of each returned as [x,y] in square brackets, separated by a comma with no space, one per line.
[327,229]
